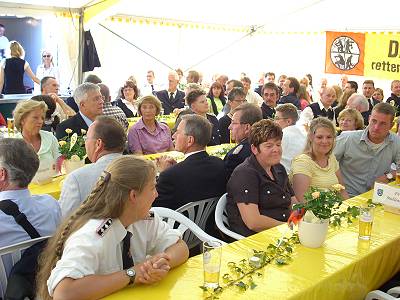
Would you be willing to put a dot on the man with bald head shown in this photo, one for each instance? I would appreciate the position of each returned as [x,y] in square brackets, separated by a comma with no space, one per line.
[171,98]
[360,103]
[112,111]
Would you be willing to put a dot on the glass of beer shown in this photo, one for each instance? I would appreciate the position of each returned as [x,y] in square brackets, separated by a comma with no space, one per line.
[365,224]
[10,126]
[212,251]
[398,173]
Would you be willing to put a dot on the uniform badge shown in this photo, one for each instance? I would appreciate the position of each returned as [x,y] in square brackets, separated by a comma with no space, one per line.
[237,150]
[101,230]
[150,216]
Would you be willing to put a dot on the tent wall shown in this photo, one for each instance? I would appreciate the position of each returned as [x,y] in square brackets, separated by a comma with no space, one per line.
[294,54]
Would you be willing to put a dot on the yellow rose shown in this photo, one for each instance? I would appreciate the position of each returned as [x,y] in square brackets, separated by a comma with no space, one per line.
[315,195]
[75,158]
[68,130]
[83,131]
[338,187]
[62,143]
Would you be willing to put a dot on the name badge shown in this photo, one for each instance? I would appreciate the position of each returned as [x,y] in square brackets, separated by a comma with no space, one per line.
[388,195]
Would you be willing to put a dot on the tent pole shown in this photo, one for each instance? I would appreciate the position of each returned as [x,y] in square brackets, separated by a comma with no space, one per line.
[81,43]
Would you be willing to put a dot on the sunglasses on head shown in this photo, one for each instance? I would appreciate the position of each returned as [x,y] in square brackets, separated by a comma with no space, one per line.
[47,55]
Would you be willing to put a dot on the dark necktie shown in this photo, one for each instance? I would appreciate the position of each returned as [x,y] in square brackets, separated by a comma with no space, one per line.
[152,88]
[171,97]
[127,260]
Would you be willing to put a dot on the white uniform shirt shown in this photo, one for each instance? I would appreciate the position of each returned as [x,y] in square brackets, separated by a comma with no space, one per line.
[87,253]
[293,143]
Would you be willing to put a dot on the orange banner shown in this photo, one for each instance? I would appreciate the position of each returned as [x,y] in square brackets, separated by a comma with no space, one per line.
[345,53]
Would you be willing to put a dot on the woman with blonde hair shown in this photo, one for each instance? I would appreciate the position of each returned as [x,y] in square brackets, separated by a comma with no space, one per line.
[12,71]
[317,166]
[111,241]
[29,116]
[342,101]
[149,136]
[350,119]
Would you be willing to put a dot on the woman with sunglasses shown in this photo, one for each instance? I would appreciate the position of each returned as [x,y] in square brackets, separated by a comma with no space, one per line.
[45,69]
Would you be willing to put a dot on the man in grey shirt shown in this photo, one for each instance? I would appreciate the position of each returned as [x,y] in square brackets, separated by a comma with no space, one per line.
[365,156]
[105,141]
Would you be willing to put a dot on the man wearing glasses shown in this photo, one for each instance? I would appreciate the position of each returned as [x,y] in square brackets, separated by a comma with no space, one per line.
[244,116]
[90,103]
[270,93]
[236,97]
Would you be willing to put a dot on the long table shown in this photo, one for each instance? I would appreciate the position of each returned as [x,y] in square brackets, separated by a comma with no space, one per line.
[54,187]
[344,268]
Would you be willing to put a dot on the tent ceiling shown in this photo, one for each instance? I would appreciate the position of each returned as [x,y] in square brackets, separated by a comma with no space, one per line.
[289,15]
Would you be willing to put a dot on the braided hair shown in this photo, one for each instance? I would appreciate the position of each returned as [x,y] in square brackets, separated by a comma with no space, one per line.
[107,200]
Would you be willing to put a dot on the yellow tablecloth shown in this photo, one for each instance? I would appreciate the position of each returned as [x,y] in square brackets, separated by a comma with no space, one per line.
[168,119]
[344,268]
[218,150]
[53,188]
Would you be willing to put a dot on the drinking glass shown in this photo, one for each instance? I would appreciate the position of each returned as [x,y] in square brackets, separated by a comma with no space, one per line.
[365,224]
[212,251]
[10,126]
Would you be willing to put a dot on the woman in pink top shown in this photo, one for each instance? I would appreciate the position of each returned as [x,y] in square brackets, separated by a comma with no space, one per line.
[148,136]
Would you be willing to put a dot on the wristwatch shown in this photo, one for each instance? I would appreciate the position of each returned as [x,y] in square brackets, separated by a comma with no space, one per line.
[132,274]
[389,176]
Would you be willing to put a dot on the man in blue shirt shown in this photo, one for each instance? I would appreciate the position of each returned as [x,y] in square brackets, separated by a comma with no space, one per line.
[18,165]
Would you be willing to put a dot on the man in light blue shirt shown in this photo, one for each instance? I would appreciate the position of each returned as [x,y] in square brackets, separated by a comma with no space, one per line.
[105,141]
[365,156]
[18,165]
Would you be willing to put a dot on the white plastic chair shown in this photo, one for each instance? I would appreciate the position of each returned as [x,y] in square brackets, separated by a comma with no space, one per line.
[171,217]
[221,219]
[15,255]
[391,294]
[198,212]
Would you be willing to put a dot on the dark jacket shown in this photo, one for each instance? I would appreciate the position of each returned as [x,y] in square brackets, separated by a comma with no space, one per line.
[291,98]
[267,112]
[330,114]
[177,102]
[75,123]
[198,177]
[224,131]
[128,113]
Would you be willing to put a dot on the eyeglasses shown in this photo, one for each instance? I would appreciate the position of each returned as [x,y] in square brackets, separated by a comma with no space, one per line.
[46,55]
[237,123]
[239,101]
[277,118]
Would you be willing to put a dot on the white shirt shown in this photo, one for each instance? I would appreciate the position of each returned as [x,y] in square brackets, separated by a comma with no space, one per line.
[78,184]
[42,72]
[293,143]
[87,253]
[254,98]
[133,107]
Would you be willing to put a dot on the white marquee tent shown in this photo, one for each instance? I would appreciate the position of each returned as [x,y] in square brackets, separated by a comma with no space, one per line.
[209,36]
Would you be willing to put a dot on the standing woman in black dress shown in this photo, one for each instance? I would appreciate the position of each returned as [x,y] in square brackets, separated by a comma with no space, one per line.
[12,71]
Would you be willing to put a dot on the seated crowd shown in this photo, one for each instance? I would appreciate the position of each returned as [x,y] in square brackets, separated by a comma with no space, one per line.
[103,237]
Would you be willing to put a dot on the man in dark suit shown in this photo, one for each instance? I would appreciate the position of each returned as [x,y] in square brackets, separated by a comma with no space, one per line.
[90,102]
[199,176]
[368,89]
[172,98]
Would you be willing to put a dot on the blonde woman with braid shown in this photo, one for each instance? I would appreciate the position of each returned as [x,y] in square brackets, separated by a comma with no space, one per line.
[110,241]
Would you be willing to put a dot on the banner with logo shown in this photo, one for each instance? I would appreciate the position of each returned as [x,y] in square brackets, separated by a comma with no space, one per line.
[364,54]
[345,53]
